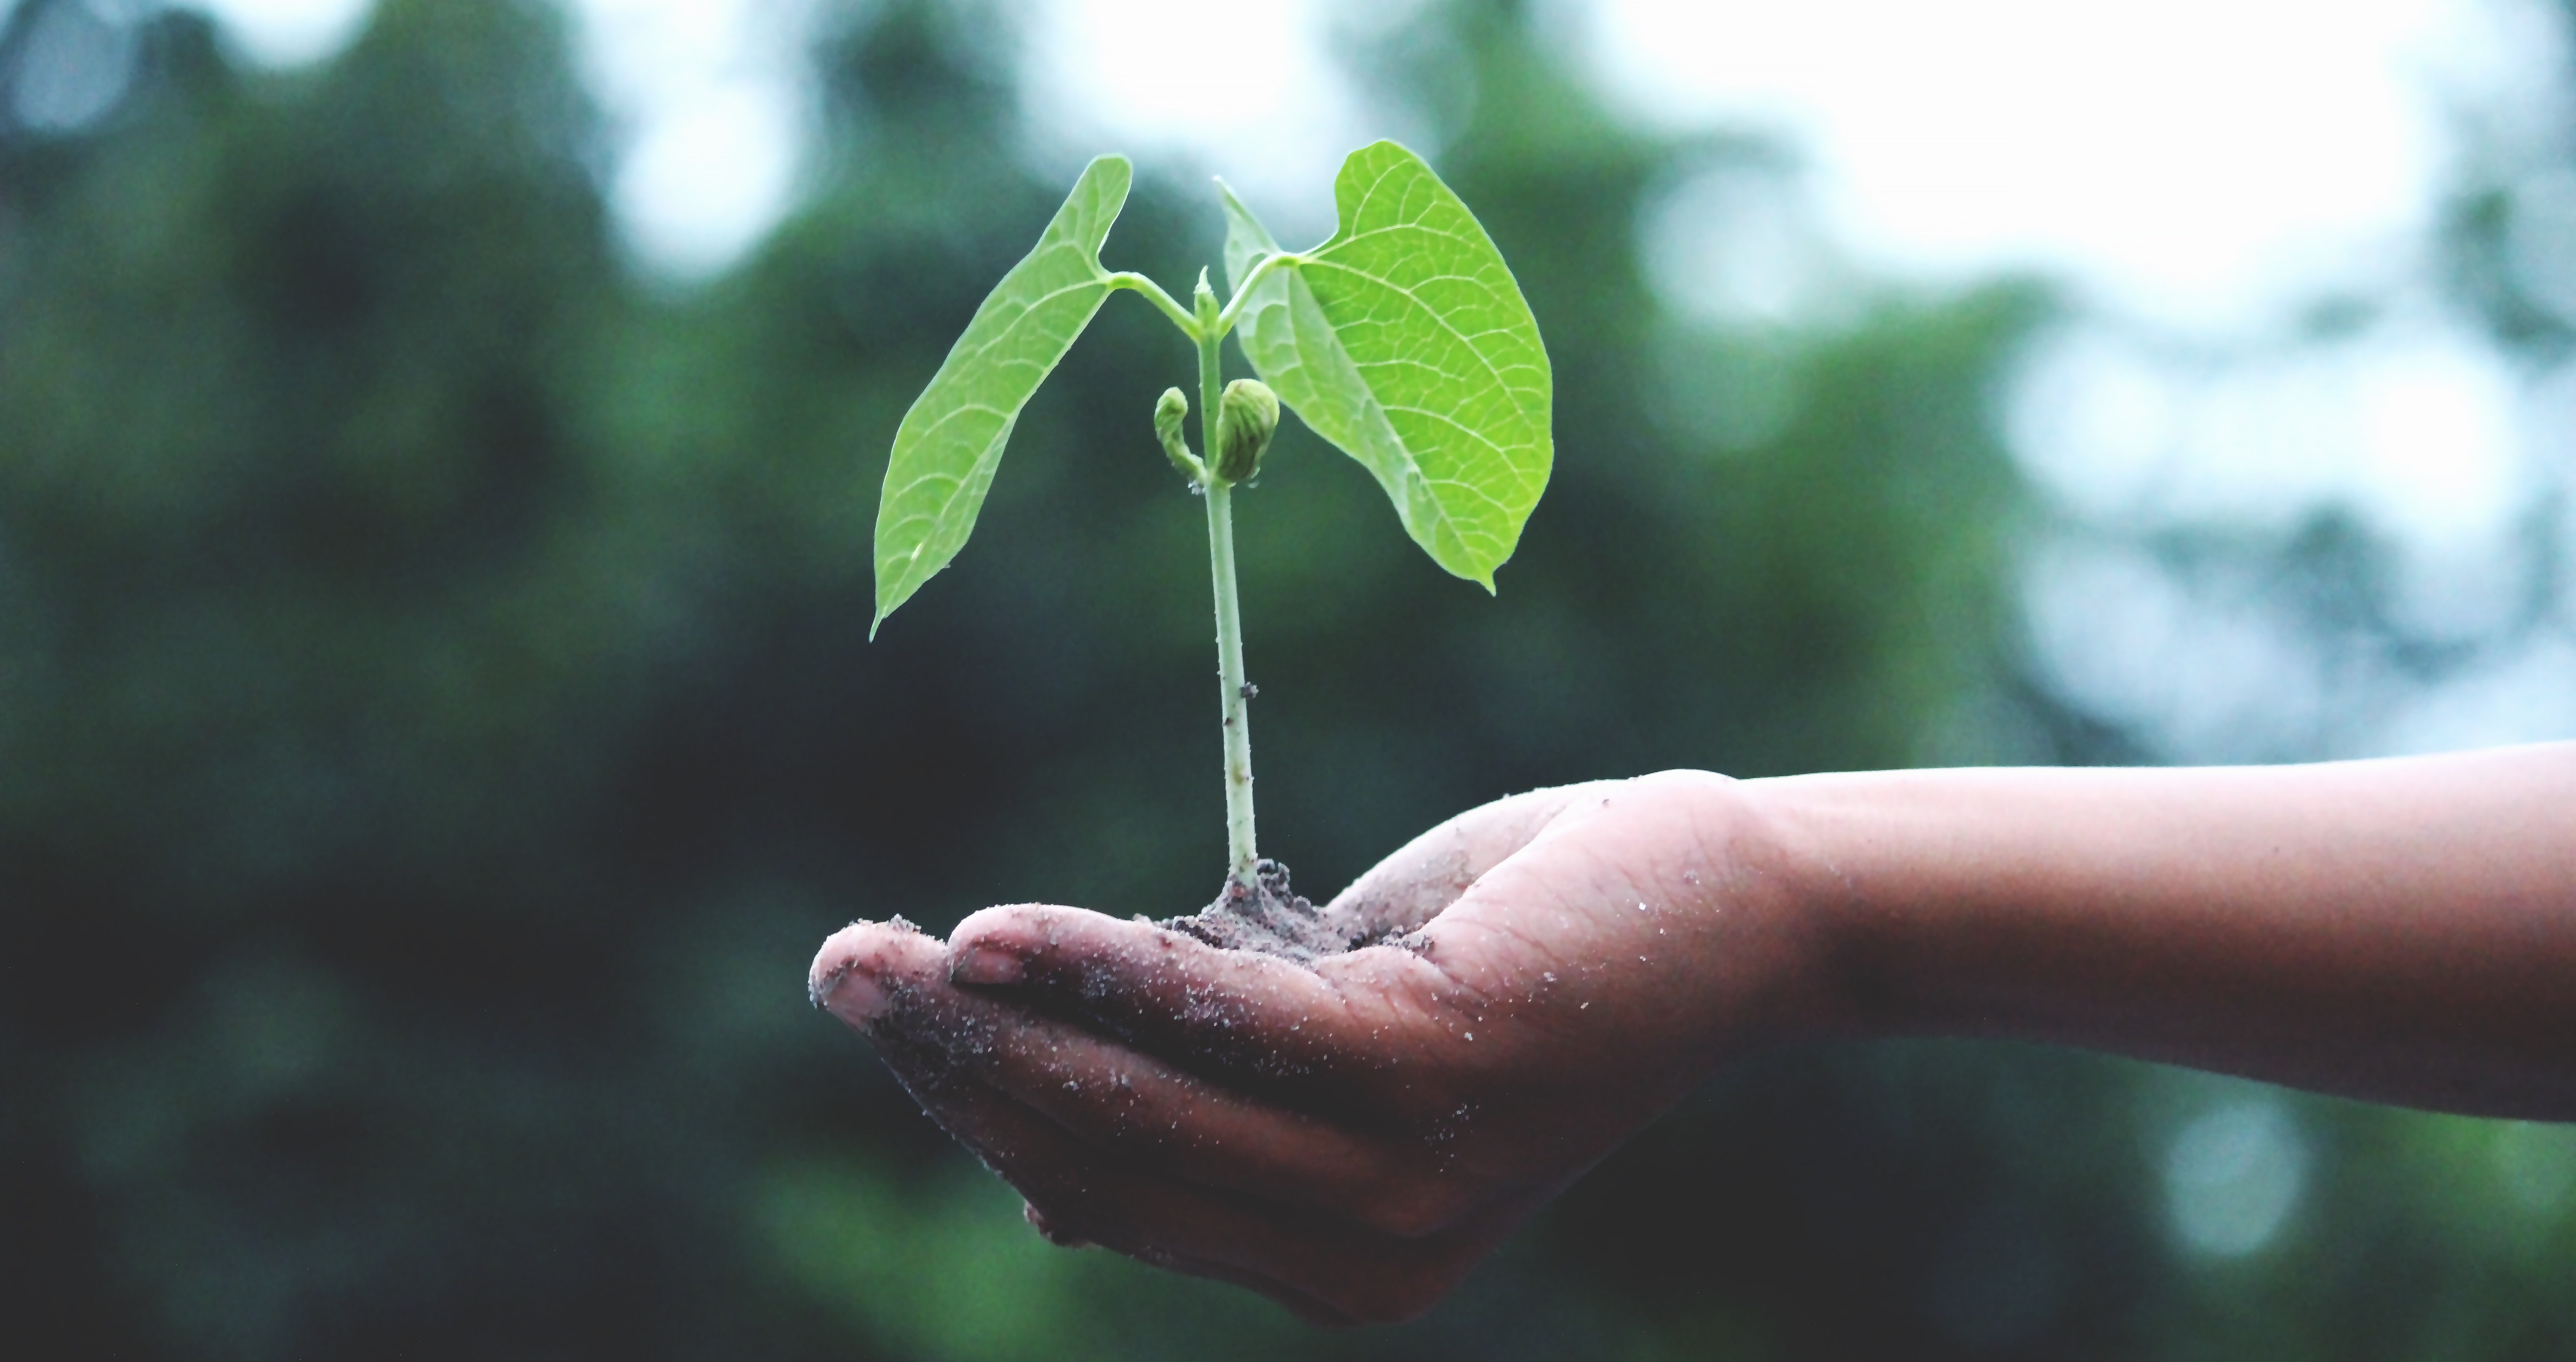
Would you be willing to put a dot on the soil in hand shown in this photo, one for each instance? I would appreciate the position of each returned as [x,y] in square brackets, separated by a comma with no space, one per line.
[1268,916]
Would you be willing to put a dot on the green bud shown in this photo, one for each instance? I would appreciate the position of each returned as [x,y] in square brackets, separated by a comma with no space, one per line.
[1168,413]
[1245,421]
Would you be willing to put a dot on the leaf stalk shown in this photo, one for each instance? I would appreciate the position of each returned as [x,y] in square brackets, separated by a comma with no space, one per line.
[1243,292]
[1153,293]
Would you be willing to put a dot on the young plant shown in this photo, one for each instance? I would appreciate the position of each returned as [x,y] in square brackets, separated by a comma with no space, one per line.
[1403,341]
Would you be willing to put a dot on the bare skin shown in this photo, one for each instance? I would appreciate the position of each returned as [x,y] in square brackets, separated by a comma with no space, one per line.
[1351,1138]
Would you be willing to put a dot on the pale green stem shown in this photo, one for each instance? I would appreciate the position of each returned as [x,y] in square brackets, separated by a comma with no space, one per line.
[1234,306]
[1129,279]
[1229,615]
[1238,710]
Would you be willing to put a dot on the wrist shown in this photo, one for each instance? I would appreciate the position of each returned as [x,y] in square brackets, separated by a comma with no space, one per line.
[1820,833]
[1772,938]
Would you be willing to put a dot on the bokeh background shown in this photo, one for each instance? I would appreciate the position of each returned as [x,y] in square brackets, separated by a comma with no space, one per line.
[438,446]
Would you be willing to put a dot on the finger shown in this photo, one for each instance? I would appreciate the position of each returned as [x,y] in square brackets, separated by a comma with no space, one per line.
[1321,1268]
[1116,1099]
[1036,1159]
[1424,876]
[887,980]
[1260,1022]
[866,969]
[1049,1230]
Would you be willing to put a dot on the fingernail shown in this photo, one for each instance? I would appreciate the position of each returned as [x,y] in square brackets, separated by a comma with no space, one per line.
[851,994]
[986,965]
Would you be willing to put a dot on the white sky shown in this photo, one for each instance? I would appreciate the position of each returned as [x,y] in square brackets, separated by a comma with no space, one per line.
[2187,157]
[289,32]
[711,98]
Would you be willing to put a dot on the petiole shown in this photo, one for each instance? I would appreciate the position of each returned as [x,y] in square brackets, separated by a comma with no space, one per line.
[1243,294]
[1129,279]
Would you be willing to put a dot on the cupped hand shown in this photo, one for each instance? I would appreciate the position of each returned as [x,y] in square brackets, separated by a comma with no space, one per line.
[1351,1136]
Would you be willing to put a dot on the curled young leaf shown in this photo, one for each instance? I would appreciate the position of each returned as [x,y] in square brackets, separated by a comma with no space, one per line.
[1246,419]
[1169,411]
[1405,341]
[951,440]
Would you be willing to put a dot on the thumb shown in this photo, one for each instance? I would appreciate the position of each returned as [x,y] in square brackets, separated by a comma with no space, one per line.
[1424,876]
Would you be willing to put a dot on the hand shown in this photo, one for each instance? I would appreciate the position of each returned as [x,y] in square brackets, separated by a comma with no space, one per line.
[1351,1138]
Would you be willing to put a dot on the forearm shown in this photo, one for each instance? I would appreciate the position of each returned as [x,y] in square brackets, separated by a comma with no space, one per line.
[2403,931]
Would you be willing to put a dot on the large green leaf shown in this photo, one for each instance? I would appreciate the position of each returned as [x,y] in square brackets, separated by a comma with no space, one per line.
[951,441]
[1405,341]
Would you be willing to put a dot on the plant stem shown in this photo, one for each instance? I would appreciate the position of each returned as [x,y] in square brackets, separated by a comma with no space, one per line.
[1229,614]
[1238,710]
[1153,293]
[1243,292]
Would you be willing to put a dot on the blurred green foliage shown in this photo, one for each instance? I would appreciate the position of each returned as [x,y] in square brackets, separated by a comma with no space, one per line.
[435,730]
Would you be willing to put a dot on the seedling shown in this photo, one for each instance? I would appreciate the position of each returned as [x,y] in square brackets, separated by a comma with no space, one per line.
[1403,341]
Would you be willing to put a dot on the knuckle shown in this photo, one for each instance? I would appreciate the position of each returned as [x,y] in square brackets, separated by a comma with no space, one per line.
[1015,927]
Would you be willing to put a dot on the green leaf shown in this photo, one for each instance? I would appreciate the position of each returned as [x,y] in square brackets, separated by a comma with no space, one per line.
[1405,341]
[951,441]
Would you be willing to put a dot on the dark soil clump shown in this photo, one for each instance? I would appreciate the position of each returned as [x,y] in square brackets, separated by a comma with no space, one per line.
[1269,917]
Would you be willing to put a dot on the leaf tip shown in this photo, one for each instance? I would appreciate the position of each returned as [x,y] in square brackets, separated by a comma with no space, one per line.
[1115,173]
[1385,144]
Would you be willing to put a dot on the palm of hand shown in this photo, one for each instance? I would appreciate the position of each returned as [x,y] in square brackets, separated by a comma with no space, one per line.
[1349,1138]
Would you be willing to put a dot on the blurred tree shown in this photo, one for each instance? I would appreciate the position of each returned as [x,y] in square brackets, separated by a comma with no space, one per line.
[319,604]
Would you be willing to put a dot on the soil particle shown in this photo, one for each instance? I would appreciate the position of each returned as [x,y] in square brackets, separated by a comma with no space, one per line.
[1269,917]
